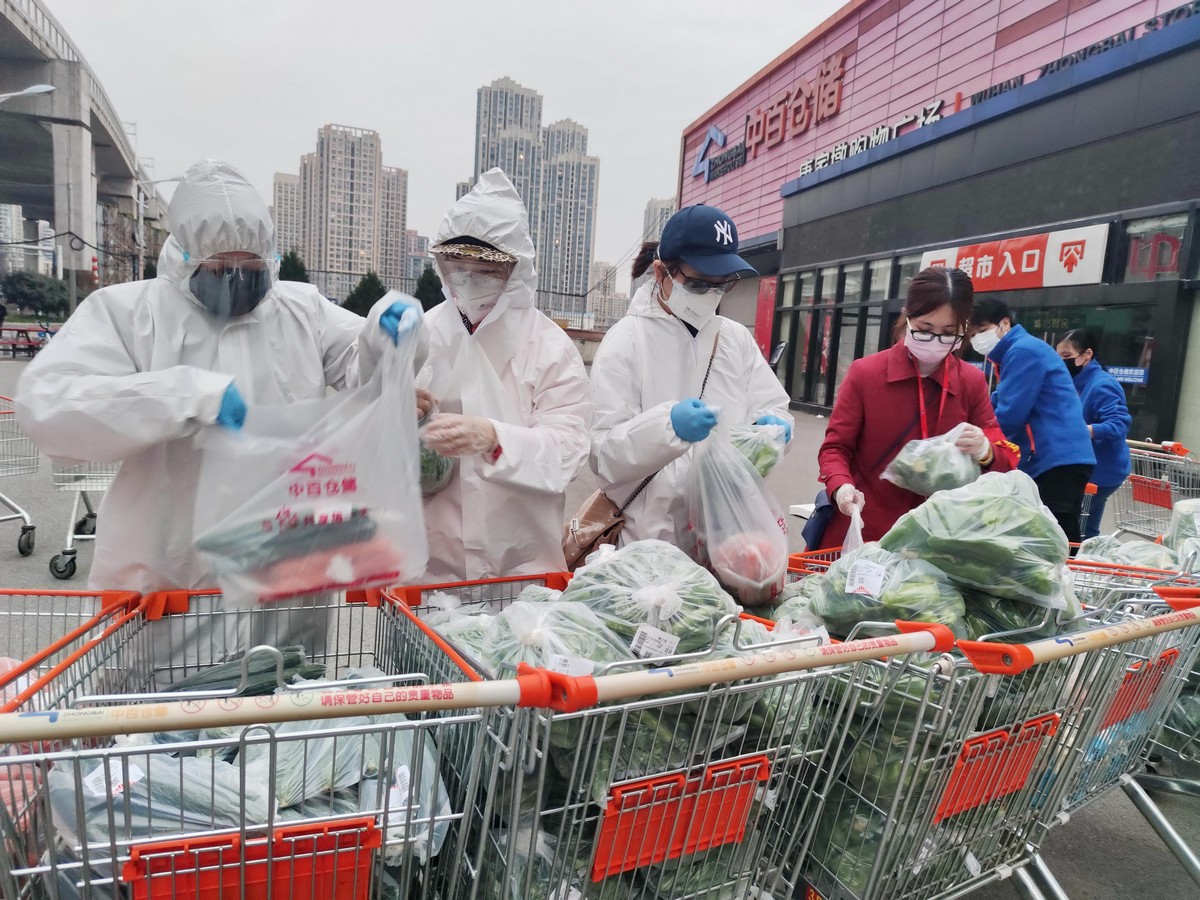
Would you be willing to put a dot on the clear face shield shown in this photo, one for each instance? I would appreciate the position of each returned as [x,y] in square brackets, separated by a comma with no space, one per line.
[231,284]
[474,284]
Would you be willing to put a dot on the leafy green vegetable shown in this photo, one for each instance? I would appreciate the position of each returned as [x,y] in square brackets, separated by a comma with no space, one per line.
[1185,523]
[847,838]
[436,470]
[1189,556]
[540,634]
[763,445]
[261,667]
[994,535]
[1146,554]
[927,466]
[988,615]
[652,583]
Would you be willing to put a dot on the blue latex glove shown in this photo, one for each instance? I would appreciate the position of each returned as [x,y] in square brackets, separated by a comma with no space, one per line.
[401,318]
[692,420]
[233,409]
[775,420]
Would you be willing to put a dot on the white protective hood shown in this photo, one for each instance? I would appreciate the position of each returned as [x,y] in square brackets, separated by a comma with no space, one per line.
[493,212]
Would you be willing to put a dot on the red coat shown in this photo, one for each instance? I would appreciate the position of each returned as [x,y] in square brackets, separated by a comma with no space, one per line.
[877,412]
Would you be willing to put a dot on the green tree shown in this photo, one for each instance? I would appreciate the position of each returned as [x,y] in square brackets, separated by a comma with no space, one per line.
[365,293]
[292,268]
[40,293]
[429,289]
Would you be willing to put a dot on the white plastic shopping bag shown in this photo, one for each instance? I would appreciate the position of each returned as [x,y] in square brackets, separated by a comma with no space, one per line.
[321,495]
[854,535]
[933,464]
[734,526]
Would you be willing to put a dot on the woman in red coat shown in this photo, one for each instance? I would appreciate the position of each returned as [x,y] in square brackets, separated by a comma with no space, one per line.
[917,389]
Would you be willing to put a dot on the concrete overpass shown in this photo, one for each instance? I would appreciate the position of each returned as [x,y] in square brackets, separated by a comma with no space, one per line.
[65,156]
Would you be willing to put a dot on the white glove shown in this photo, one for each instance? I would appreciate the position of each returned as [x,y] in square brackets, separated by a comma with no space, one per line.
[973,442]
[454,435]
[848,497]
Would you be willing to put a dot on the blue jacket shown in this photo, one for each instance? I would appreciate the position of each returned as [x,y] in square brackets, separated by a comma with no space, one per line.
[1037,406]
[1104,408]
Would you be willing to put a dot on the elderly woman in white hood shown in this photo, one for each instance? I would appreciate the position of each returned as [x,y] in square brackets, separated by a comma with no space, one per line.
[512,394]
[140,368]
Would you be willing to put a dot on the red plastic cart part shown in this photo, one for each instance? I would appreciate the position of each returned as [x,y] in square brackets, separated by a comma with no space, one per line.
[1138,687]
[664,817]
[300,862]
[994,765]
[944,637]
[1151,491]
[413,594]
[997,658]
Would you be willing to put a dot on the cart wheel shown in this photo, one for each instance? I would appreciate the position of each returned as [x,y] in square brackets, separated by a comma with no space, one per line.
[62,567]
[86,525]
[25,541]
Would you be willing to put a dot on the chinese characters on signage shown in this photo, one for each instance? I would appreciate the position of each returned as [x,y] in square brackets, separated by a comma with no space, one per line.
[792,112]
[880,134]
[1050,259]
[1129,374]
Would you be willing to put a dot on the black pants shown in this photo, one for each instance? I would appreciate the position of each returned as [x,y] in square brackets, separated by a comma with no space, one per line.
[1062,490]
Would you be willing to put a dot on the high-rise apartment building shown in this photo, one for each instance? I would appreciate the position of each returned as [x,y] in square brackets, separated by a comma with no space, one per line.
[12,233]
[353,211]
[605,302]
[566,236]
[393,227]
[285,211]
[417,255]
[461,189]
[654,220]
[508,131]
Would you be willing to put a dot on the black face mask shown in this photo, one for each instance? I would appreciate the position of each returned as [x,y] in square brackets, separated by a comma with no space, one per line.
[230,293]
[1072,369]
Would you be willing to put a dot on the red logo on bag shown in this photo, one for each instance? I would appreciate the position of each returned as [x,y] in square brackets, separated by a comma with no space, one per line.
[318,465]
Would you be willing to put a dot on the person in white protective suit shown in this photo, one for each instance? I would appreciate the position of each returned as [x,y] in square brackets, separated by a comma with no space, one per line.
[668,371]
[141,368]
[512,393]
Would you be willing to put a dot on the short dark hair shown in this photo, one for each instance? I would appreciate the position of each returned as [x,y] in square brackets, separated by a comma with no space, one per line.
[1081,339]
[933,288]
[989,311]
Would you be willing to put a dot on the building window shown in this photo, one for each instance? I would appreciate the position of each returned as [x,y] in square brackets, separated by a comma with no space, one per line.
[879,278]
[829,284]
[909,267]
[1154,246]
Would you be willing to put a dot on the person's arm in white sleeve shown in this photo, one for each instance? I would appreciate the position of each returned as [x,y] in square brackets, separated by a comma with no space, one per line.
[82,396]
[546,455]
[628,443]
[372,341]
[765,396]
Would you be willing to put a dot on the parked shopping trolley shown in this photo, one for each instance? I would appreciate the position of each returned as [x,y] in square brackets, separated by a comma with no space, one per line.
[1161,475]
[84,479]
[707,791]
[18,456]
[360,807]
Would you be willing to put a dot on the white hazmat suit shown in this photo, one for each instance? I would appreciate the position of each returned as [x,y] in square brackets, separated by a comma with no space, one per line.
[504,516]
[647,363]
[140,368]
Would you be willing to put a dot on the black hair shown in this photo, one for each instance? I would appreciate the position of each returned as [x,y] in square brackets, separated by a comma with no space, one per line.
[989,311]
[933,288]
[1081,339]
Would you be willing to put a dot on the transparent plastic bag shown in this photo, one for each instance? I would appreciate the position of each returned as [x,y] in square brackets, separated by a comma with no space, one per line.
[436,470]
[993,535]
[933,464]
[762,445]
[316,496]
[649,589]
[1189,556]
[734,525]
[305,768]
[562,636]
[854,533]
[1185,523]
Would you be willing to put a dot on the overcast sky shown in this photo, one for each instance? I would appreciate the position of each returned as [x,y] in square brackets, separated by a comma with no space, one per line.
[251,81]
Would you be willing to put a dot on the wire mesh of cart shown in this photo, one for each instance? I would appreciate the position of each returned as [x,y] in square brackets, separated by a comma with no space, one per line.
[930,806]
[84,479]
[1160,476]
[358,807]
[700,792]
[18,456]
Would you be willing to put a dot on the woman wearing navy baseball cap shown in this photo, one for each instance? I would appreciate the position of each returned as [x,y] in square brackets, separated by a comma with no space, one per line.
[671,369]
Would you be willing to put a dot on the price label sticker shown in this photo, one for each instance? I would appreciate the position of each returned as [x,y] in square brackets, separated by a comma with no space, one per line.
[570,665]
[649,641]
[399,791]
[97,784]
[865,577]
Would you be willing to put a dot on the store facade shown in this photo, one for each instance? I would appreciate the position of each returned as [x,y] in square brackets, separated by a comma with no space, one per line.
[1062,171]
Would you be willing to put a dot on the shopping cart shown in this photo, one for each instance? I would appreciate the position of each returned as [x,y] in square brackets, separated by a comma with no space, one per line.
[83,479]
[1161,475]
[281,802]
[707,791]
[18,456]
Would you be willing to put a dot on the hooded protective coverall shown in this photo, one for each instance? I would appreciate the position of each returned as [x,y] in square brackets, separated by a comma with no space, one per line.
[647,363]
[140,368]
[504,515]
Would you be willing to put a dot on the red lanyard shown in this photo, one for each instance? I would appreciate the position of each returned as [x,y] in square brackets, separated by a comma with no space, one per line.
[921,397]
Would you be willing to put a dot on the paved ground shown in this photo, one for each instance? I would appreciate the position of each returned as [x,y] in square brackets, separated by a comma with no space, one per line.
[1105,853]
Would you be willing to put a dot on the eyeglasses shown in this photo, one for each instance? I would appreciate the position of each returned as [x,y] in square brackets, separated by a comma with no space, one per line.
[699,286]
[927,337]
[230,266]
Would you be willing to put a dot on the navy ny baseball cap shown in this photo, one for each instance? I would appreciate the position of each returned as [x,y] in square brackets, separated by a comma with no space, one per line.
[706,239]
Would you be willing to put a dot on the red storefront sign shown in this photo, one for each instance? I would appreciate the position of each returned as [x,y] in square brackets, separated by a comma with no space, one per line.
[764,317]
[1050,259]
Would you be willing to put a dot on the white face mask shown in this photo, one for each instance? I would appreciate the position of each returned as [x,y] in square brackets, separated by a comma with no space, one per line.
[475,294]
[985,342]
[695,309]
[930,353]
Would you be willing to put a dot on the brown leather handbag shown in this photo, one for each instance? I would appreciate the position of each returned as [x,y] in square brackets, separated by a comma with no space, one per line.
[599,520]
